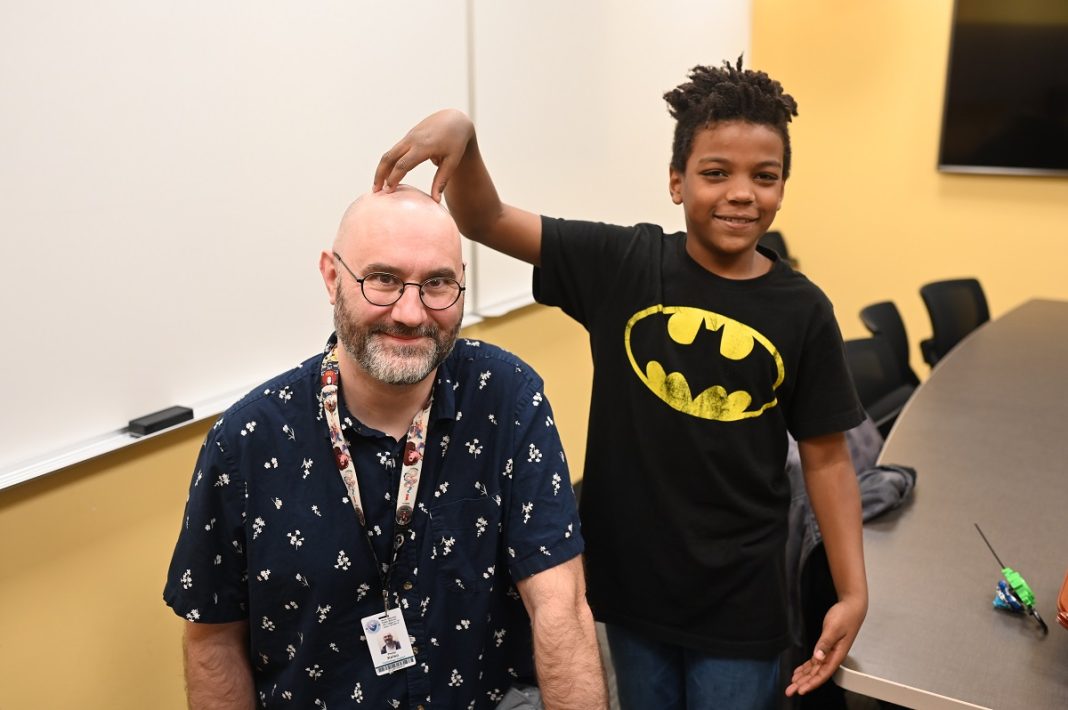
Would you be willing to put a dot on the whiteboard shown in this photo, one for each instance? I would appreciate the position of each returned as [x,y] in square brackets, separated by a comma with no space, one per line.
[170,172]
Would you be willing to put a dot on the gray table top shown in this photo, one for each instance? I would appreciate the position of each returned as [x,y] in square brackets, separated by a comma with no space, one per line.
[987,433]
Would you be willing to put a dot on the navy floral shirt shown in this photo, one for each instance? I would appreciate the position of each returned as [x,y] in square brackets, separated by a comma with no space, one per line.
[270,536]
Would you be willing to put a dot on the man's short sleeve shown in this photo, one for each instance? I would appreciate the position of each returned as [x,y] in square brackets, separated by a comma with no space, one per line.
[541,522]
[206,579]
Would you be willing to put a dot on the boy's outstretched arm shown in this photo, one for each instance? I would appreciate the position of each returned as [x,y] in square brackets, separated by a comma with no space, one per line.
[447,139]
[831,482]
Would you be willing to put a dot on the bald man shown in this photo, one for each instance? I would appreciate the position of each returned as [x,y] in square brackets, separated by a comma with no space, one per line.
[401,483]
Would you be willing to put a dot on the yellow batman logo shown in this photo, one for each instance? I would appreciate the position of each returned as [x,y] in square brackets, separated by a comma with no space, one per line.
[737,342]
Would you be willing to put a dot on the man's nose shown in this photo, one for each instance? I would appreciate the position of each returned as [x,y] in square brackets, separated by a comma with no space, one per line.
[409,309]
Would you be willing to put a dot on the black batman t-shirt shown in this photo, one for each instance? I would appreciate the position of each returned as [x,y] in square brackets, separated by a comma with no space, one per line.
[697,380]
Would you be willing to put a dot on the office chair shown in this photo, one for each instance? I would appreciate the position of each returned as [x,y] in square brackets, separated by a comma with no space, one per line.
[956,307]
[776,242]
[882,389]
[883,320]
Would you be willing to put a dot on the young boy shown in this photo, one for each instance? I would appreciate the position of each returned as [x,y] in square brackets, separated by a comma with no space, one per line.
[707,350]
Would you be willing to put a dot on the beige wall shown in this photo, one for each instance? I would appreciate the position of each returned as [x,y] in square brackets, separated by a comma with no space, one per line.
[83,551]
[866,211]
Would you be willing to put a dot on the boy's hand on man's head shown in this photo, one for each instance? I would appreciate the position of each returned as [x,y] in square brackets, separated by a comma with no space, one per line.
[441,138]
[840,628]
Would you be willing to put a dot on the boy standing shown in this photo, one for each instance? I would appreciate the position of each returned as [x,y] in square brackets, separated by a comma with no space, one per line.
[707,350]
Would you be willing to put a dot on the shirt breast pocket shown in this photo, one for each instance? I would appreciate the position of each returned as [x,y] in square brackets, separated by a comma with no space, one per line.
[465,541]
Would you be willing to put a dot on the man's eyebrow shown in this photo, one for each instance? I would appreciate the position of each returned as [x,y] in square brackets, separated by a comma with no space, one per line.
[380,267]
[441,273]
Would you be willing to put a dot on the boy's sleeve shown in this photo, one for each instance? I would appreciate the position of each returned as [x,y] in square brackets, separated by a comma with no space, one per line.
[206,580]
[541,521]
[579,265]
[825,400]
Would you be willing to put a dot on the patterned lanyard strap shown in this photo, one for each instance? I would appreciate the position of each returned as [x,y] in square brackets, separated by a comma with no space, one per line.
[412,465]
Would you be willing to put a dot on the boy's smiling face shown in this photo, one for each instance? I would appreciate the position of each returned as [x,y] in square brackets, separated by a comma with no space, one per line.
[730,192]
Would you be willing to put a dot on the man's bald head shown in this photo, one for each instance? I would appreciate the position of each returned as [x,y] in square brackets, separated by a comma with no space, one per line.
[402,213]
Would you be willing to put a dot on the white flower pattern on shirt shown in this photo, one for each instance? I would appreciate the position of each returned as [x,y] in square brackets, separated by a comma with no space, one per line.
[275,535]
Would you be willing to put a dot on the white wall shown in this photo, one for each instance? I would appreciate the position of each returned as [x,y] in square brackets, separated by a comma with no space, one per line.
[568,104]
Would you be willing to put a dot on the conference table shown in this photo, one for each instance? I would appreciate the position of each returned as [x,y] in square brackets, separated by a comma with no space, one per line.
[987,433]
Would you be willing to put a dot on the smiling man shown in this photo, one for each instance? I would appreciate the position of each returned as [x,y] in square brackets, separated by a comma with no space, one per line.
[401,485]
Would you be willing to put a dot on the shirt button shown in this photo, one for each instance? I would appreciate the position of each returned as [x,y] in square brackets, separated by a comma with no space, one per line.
[407,586]
[415,652]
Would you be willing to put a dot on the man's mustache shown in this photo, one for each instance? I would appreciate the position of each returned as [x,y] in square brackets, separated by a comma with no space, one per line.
[425,331]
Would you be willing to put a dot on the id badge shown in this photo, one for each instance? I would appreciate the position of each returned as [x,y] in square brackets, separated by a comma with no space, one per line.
[387,638]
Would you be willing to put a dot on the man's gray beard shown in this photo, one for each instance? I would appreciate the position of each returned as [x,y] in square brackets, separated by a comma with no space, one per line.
[393,365]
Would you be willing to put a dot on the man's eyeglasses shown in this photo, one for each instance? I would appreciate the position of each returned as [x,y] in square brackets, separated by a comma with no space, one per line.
[385,289]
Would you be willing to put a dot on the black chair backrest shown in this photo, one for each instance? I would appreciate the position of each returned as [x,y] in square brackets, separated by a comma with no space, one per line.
[776,242]
[883,320]
[956,307]
[882,390]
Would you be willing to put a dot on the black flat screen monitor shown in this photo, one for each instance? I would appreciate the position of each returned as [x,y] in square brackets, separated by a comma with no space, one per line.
[1006,101]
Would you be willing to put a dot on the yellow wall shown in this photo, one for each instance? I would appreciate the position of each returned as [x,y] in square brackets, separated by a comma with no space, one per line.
[866,210]
[83,552]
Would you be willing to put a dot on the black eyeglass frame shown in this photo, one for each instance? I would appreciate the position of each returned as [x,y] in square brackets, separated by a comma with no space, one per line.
[403,285]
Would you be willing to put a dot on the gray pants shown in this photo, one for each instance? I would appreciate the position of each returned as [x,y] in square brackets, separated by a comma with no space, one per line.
[521,697]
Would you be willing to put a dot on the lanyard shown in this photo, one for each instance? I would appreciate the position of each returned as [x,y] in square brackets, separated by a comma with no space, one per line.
[411,468]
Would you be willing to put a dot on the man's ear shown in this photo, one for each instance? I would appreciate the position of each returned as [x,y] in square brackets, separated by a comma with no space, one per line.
[328,268]
[675,185]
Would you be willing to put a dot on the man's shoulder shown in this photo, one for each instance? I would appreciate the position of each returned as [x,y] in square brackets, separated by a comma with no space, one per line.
[275,393]
[471,359]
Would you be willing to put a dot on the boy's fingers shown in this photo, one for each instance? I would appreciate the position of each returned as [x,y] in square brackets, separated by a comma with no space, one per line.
[798,682]
[431,139]
[810,678]
[441,177]
[393,166]
[817,670]
[438,189]
[401,167]
[385,167]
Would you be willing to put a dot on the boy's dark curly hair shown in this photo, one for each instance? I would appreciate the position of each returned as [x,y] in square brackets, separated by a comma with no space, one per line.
[729,93]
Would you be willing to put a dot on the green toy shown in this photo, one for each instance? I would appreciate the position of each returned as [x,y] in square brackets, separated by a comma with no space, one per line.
[1014,594]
